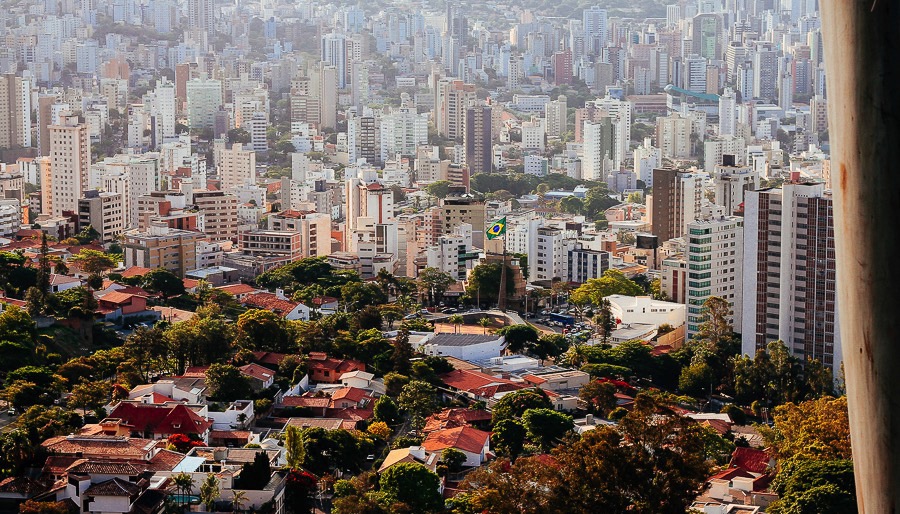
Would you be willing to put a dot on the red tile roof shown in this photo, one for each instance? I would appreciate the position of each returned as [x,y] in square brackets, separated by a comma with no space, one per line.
[160,420]
[258,372]
[236,289]
[135,271]
[101,446]
[462,438]
[453,418]
[117,298]
[270,302]
[750,459]
[470,380]
[271,358]
[305,401]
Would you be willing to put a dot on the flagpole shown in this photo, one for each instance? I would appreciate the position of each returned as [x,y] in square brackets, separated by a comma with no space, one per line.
[501,302]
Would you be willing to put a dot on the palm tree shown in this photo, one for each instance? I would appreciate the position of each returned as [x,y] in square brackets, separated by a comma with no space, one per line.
[485,322]
[237,503]
[456,320]
[242,419]
[184,484]
[209,491]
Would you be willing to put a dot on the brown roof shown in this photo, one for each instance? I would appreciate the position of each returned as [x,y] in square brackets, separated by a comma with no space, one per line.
[326,423]
[453,418]
[135,271]
[305,401]
[462,438]
[20,485]
[750,459]
[117,297]
[270,302]
[88,467]
[237,289]
[258,372]
[100,445]
[113,487]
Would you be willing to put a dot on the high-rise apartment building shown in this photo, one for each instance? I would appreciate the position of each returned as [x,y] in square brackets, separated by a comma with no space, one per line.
[70,161]
[204,99]
[15,111]
[236,165]
[732,183]
[334,53]
[599,146]
[162,247]
[675,201]
[714,256]
[707,36]
[789,272]
[673,136]
[596,29]
[479,147]
[201,15]
[556,116]
[104,211]
[452,100]
[220,216]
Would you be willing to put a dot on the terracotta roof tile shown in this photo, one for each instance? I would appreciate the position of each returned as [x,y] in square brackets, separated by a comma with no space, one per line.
[750,459]
[462,438]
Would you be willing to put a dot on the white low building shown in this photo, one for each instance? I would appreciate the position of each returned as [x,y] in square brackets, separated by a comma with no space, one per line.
[646,310]
[468,347]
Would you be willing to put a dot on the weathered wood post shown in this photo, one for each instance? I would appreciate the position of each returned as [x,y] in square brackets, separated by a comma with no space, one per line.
[862,54]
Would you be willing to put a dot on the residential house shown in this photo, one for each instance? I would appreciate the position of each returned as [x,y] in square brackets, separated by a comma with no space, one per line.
[156,421]
[260,377]
[290,310]
[328,370]
[103,447]
[474,443]
[414,454]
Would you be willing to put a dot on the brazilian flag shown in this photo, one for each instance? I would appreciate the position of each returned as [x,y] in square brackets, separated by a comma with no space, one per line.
[497,229]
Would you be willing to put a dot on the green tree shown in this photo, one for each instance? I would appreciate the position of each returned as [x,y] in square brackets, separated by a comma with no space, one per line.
[815,487]
[93,262]
[402,352]
[612,282]
[651,462]
[454,459]
[484,282]
[508,437]
[456,320]
[293,445]
[599,396]
[387,411]
[433,283]
[549,346]
[209,492]
[519,338]
[164,282]
[418,399]
[438,188]
[513,405]
[546,427]
[413,485]
[265,330]
[227,383]
[238,135]
[89,395]
[87,235]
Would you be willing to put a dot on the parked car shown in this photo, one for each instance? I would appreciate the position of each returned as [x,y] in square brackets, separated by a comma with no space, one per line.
[410,316]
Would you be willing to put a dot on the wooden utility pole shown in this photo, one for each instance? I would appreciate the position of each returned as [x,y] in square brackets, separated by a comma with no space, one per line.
[862,55]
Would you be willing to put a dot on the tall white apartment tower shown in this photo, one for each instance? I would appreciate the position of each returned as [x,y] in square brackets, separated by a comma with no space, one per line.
[334,52]
[715,251]
[70,161]
[727,113]
[789,274]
